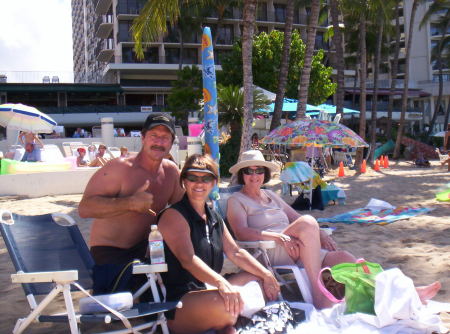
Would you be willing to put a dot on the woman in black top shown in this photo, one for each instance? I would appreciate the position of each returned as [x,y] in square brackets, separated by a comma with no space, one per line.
[195,239]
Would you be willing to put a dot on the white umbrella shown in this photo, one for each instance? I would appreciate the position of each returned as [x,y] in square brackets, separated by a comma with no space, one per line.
[25,118]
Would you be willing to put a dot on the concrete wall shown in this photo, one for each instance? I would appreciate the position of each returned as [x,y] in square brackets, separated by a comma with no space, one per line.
[46,184]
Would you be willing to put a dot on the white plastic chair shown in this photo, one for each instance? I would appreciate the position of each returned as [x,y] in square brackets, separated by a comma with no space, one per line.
[259,250]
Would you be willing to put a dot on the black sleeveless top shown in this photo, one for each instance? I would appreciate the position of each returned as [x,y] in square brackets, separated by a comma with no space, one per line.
[208,246]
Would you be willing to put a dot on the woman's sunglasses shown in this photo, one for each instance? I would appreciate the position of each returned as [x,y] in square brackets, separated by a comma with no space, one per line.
[250,171]
[202,179]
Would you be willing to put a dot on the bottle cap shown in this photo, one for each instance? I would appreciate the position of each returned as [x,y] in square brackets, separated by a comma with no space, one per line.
[154,227]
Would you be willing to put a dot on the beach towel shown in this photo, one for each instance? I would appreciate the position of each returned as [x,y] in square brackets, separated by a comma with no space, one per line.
[375,216]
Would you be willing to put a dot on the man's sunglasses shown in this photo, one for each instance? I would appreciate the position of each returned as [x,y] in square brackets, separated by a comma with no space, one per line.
[250,171]
[202,179]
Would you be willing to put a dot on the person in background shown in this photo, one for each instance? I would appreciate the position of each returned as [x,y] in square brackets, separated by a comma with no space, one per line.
[31,141]
[92,152]
[100,159]
[195,239]
[124,152]
[78,133]
[81,158]
[447,161]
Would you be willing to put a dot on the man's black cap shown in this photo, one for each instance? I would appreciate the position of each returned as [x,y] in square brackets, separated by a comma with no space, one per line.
[155,119]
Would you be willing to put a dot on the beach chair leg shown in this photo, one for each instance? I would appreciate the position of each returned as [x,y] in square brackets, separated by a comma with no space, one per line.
[70,309]
[22,324]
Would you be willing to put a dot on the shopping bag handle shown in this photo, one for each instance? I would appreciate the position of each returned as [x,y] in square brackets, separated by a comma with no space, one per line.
[324,290]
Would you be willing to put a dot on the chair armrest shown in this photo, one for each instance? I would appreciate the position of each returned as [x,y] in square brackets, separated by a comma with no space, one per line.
[264,244]
[149,268]
[45,277]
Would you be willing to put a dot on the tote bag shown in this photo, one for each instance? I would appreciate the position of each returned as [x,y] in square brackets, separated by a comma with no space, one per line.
[359,281]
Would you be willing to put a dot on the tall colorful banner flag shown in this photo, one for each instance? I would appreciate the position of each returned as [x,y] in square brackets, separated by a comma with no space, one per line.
[211,115]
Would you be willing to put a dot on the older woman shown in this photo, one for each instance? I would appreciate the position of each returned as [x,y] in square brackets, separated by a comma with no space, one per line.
[260,214]
[195,238]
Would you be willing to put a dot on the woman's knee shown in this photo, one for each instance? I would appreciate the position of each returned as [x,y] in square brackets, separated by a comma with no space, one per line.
[306,224]
[336,257]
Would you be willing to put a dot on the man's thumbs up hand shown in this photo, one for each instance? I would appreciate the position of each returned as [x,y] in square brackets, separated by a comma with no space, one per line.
[141,200]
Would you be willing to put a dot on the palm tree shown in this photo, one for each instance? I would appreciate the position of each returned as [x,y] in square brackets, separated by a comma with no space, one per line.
[230,105]
[284,66]
[339,56]
[306,71]
[437,51]
[406,78]
[357,10]
[152,20]
[247,44]
[394,69]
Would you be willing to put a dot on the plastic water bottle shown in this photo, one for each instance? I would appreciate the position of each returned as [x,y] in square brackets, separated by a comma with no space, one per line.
[156,246]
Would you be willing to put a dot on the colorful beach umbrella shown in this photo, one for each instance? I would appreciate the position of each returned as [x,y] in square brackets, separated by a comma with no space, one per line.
[25,118]
[211,115]
[314,132]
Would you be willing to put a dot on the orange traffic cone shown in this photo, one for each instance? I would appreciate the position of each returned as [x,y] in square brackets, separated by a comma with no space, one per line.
[386,162]
[363,166]
[376,168]
[341,169]
[381,161]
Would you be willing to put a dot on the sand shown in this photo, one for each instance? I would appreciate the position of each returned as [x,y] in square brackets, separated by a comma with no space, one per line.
[419,246]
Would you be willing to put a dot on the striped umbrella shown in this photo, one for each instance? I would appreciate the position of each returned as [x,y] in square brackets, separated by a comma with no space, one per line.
[25,118]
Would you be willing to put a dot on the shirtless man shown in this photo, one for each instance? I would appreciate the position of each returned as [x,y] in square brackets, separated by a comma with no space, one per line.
[30,140]
[125,195]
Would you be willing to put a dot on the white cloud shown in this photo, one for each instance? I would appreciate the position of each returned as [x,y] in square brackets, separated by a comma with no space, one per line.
[35,36]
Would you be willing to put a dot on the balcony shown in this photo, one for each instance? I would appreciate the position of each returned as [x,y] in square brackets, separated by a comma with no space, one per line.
[102,6]
[103,26]
[105,50]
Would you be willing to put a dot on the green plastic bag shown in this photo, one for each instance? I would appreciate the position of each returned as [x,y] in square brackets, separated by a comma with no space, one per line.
[359,281]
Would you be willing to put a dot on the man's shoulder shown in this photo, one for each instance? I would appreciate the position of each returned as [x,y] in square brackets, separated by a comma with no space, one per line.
[169,165]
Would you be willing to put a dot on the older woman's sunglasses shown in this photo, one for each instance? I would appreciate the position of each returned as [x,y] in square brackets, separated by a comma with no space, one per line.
[251,171]
[200,179]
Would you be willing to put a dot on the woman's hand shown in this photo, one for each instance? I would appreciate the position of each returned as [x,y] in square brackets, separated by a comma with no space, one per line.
[327,242]
[292,247]
[232,298]
[271,287]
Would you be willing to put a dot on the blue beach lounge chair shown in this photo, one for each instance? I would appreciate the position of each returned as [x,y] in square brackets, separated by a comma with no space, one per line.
[51,258]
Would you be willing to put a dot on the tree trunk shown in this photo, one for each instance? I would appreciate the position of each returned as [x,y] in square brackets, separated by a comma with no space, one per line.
[394,72]
[180,62]
[373,125]
[339,63]
[306,71]
[362,86]
[405,83]
[247,44]
[284,66]
[441,81]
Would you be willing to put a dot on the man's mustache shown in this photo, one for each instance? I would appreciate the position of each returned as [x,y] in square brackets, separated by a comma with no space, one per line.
[158,148]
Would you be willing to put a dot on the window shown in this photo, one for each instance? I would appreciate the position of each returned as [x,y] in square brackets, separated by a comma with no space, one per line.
[225,35]
[261,14]
[172,56]
[280,13]
[124,34]
[190,56]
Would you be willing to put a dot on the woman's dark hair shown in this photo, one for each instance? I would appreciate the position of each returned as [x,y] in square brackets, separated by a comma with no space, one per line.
[267,175]
[199,161]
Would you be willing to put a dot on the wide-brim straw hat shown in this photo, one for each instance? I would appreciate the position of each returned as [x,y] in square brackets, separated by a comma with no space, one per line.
[253,158]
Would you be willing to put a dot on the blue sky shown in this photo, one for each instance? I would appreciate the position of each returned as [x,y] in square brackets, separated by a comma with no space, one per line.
[35,39]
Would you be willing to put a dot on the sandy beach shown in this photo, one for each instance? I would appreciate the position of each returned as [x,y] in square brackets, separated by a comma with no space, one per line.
[419,246]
